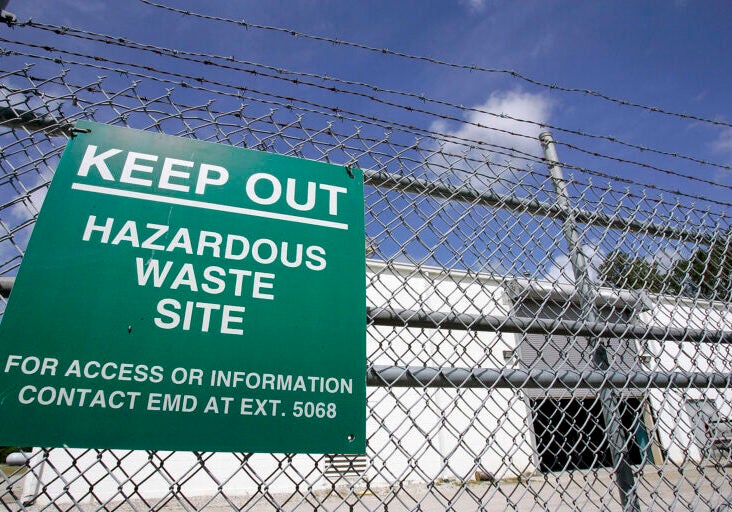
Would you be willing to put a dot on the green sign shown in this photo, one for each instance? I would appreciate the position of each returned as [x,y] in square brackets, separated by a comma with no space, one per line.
[183,295]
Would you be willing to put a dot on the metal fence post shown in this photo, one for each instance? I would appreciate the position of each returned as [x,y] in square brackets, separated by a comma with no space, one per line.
[609,399]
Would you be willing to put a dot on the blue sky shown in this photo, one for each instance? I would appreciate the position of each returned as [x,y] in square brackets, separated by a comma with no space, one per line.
[670,54]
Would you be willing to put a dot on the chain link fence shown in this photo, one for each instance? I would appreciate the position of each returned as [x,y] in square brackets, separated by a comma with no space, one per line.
[534,342]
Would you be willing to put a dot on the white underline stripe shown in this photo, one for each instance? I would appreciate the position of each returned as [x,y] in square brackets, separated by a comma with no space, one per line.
[207,206]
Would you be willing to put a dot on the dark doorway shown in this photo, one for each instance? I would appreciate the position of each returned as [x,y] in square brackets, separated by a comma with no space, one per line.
[570,433]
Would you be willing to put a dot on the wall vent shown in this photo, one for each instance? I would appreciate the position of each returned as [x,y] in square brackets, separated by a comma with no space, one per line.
[349,467]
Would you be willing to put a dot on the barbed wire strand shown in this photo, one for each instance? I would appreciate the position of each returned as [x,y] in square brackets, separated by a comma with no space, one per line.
[90,88]
[470,144]
[209,120]
[432,60]
[177,53]
[515,153]
[238,113]
[338,111]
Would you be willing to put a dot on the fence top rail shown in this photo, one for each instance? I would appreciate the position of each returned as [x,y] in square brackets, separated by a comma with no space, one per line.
[514,203]
[418,376]
[397,317]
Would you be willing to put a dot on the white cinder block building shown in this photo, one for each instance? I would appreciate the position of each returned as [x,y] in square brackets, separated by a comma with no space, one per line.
[426,434]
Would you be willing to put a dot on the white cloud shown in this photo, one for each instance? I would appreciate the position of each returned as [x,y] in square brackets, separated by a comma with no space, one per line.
[475,5]
[723,142]
[27,208]
[516,104]
[500,135]
[543,45]
[31,204]
[722,145]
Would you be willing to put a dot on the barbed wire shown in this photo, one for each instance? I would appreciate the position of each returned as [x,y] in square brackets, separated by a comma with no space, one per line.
[334,110]
[177,53]
[388,125]
[432,60]
[95,87]
[508,151]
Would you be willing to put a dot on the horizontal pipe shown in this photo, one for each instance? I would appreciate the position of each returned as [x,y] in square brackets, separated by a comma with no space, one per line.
[18,458]
[493,199]
[513,324]
[520,289]
[417,376]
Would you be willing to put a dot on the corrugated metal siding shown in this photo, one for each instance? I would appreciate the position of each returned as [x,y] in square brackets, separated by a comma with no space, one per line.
[555,352]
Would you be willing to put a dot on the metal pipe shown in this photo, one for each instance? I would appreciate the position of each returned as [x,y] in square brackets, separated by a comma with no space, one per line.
[508,378]
[30,499]
[394,317]
[527,206]
[569,227]
[609,399]
[19,458]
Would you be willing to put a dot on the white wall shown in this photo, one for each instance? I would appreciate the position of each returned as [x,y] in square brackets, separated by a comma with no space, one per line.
[448,433]
[673,422]
[414,434]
